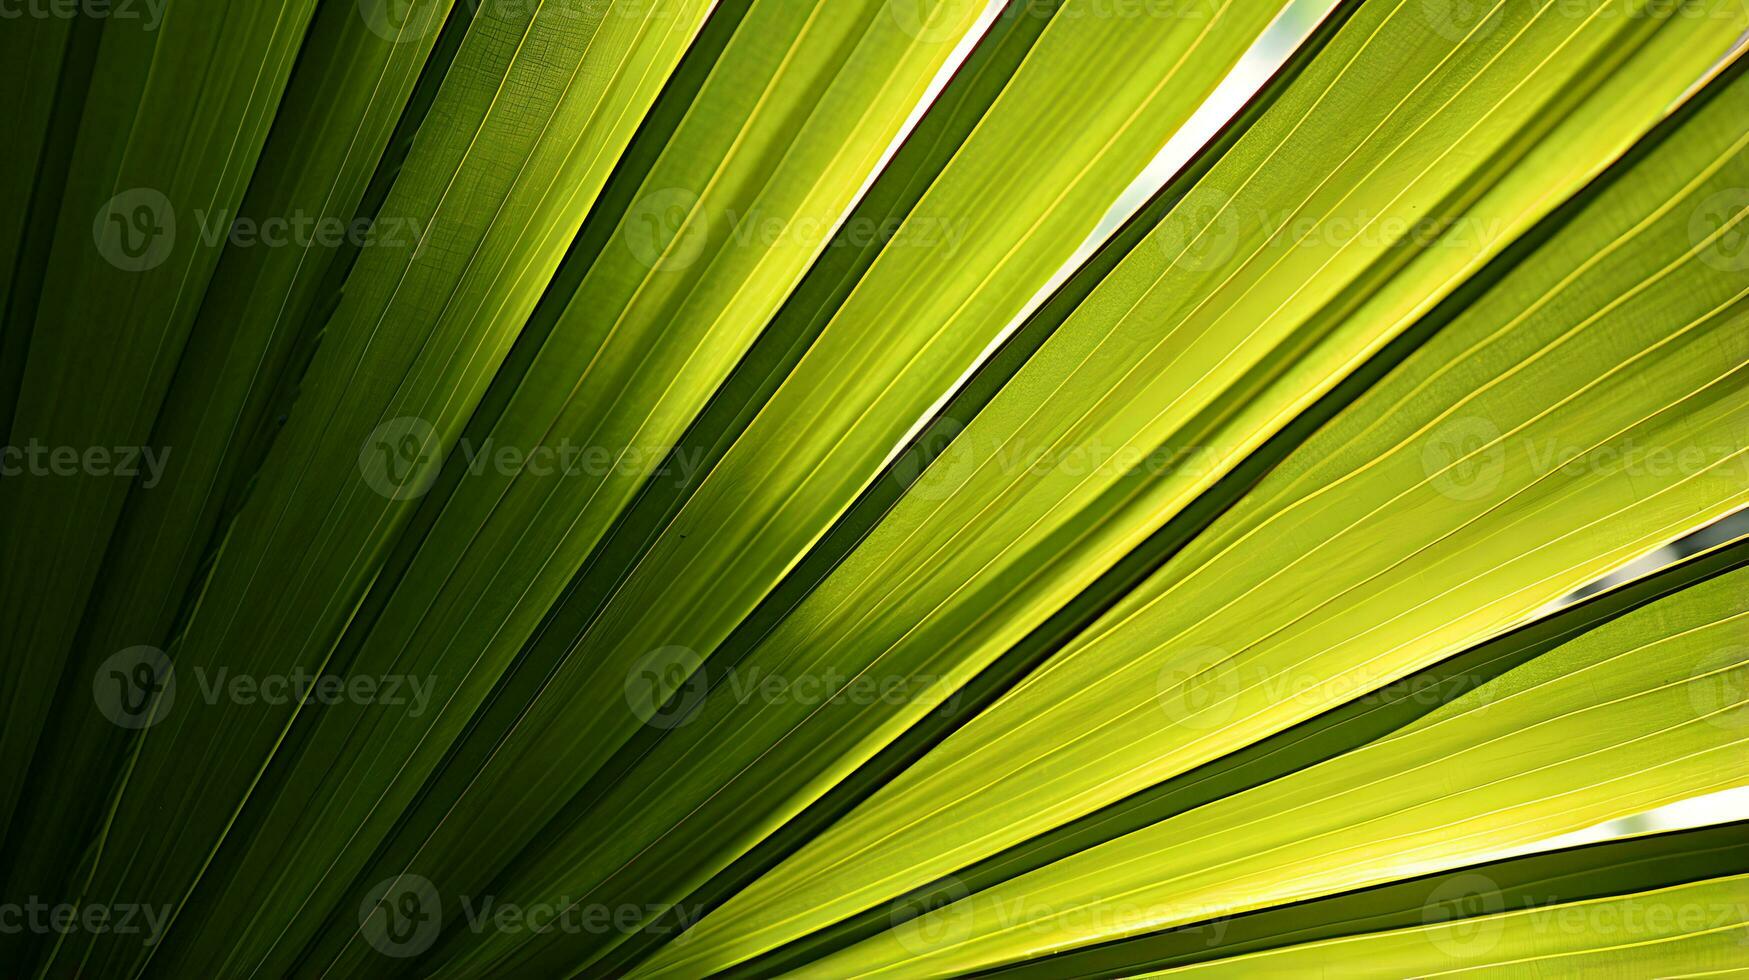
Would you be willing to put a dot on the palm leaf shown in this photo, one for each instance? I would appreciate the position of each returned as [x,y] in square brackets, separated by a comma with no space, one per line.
[741,487]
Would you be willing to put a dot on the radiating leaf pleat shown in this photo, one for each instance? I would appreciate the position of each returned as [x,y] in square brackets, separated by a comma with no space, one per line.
[1342,729]
[799,108]
[913,327]
[1642,711]
[238,350]
[762,745]
[527,125]
[161,136]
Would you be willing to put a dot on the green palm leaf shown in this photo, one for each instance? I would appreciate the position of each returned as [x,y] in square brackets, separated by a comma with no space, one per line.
[880,488]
